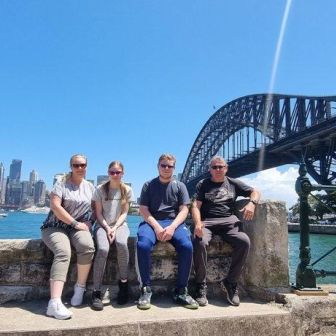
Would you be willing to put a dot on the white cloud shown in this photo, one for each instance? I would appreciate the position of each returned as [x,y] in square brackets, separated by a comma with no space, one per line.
[275,185]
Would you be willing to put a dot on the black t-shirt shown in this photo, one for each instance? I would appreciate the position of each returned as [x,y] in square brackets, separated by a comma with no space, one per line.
[164,199]
[218,198]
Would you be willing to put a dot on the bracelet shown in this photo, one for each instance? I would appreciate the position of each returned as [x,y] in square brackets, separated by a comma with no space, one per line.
[74,224]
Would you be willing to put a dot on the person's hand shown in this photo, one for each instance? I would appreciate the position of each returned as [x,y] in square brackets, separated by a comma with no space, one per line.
[110,234]
[168,233]
[159,231]
[248,211]
[83,226]
[198,231]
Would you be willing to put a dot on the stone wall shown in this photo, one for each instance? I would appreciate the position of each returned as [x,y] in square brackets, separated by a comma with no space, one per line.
[25,264]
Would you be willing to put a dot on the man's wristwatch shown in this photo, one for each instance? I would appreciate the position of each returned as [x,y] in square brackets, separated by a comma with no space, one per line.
[74,224]
[253,201]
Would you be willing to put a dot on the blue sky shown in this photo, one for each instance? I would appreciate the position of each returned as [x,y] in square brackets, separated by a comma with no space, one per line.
[130,80]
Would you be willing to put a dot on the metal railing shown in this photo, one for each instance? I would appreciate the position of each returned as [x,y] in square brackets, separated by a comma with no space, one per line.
[305,274]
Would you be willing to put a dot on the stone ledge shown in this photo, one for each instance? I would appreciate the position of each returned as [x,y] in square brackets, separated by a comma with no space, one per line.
[25,264]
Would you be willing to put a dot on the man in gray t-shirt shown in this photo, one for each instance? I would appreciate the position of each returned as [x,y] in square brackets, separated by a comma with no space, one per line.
[164,207]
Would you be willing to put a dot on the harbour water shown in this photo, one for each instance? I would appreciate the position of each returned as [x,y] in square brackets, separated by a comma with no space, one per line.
[19,225]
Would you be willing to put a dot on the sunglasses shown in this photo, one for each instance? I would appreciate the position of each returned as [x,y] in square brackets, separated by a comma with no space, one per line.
[112,173]
[79,165]
[217,167]
[165,166]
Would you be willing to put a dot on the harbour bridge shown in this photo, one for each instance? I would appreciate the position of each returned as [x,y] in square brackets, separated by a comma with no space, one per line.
[262,131]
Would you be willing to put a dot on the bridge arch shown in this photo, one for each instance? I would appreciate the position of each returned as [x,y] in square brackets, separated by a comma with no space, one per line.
[279,128]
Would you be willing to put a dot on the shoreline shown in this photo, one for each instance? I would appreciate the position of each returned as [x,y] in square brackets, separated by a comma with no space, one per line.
[314,228]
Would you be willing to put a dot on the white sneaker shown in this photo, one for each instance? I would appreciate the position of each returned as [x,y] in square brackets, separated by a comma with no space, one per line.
[57,309]
[77,298]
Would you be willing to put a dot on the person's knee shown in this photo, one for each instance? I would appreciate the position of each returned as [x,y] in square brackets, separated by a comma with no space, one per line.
[185,246]
[63,256]
[245,242]
[102,252]
[144,245]
[122,246]
[85,250]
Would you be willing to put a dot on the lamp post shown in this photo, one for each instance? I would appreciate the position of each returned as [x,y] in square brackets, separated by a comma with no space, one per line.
[305,275]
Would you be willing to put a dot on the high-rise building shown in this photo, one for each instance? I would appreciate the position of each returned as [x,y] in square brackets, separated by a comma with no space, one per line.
[101,179]
[39,193]
[2,183]
[26,198]
[13,192]
[33,177]
[15,170]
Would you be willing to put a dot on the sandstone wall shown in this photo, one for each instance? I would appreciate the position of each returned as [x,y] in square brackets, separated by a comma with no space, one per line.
[25,264]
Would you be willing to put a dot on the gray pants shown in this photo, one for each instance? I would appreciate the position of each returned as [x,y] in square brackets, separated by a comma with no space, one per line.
[103,247]
[59,241]
[232,234]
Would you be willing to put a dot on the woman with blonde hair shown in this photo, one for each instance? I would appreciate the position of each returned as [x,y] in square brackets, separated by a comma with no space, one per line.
[111,203]
[68,223]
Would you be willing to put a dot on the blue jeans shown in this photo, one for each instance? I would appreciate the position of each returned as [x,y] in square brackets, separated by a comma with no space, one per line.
[180,240]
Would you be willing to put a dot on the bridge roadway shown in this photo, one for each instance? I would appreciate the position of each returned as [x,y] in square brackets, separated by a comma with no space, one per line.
[286,151]
[164,318]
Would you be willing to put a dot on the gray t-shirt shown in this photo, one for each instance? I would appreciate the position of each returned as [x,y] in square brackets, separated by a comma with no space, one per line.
[76,199]
[111,203]
[164,199]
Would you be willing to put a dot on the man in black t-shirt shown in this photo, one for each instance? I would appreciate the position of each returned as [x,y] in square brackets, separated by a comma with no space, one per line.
[213,213]
[164,207]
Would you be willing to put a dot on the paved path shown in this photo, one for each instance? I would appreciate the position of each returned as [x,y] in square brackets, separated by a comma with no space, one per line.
[30,316]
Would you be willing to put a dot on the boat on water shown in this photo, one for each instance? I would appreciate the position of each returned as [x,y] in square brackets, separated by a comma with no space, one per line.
[3,214]
[36,210]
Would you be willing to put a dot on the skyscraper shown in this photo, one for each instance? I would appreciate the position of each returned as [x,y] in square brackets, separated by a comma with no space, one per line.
[15,170]
[26,200]
[2,184]
[32,180]
[39,192]
[33,177]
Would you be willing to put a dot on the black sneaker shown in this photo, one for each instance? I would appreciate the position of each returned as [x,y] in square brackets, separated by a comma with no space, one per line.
[122,297]
[145,297]
[182,297]
[96,302]
[201,292]
[231,292]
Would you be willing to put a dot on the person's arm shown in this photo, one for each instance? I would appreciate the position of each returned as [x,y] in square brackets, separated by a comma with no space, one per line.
[122,217]
[179,219]
[64,216]
[249,208]
[124,211]
[151,221]
[196,216]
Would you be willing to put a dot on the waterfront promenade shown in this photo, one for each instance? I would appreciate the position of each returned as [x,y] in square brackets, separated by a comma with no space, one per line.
[314,228]
[294,316]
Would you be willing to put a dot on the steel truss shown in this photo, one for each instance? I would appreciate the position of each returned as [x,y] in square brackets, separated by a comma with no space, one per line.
[261,131]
